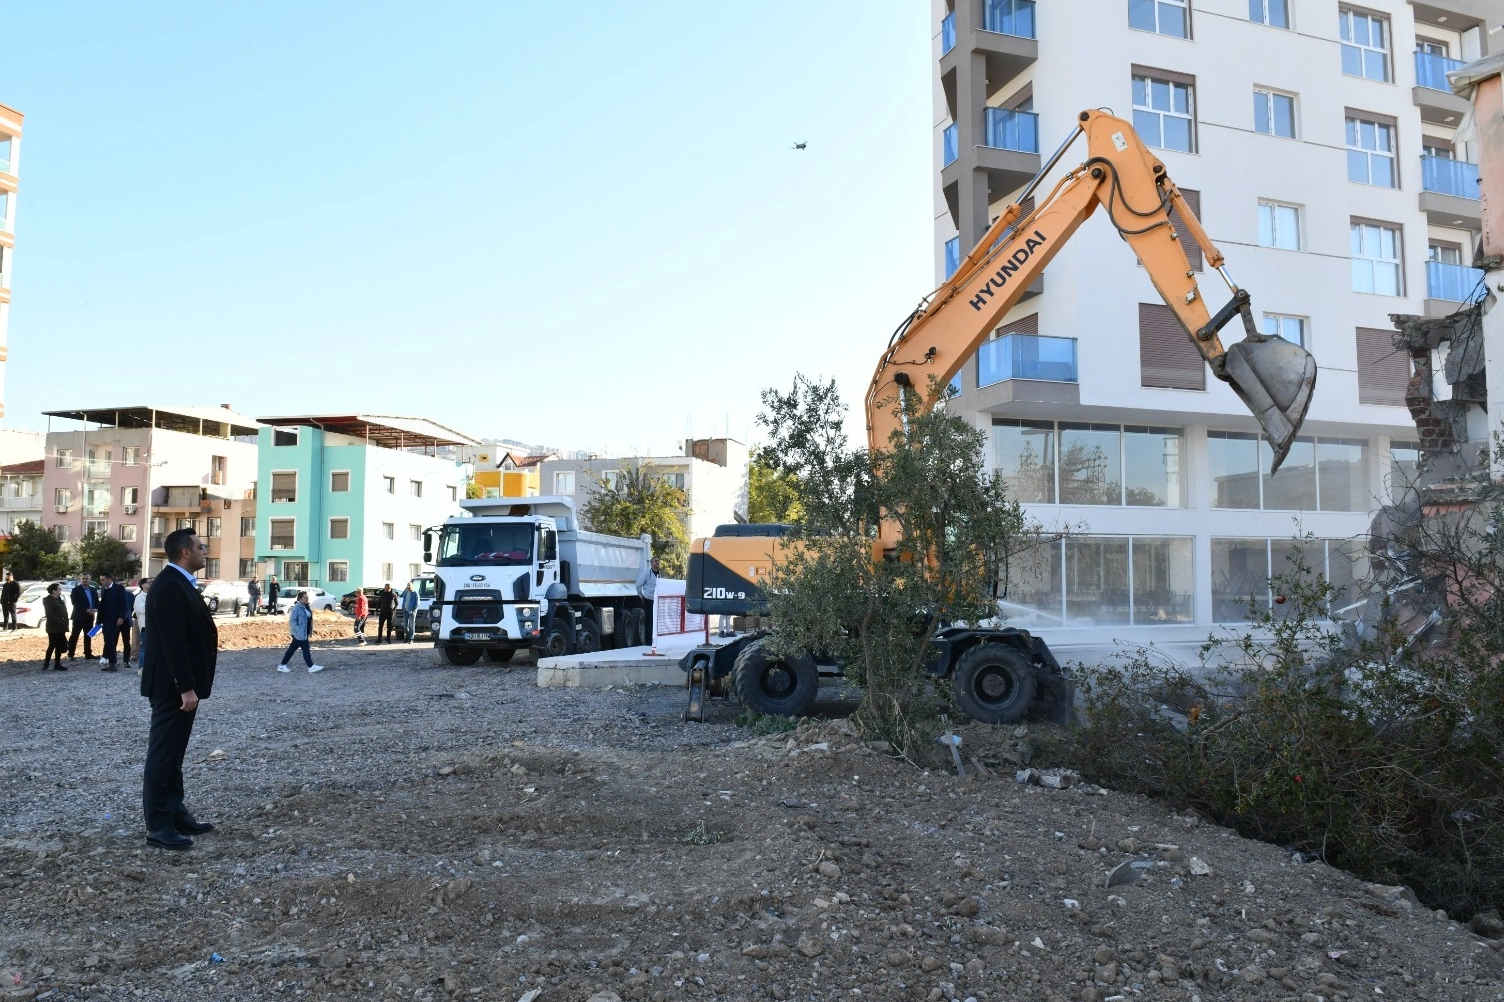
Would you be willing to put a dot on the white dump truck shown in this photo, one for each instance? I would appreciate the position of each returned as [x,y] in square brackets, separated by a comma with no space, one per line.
[513,573]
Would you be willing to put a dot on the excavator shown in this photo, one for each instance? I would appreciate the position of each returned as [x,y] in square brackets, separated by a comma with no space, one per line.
[1000,675]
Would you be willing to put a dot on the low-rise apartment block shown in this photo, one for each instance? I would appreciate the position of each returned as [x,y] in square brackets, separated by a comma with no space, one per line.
[20,494]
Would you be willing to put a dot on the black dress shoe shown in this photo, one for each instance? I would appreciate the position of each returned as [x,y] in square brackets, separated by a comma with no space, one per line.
[168,838]
[59,667]
[189,825]
[109,668]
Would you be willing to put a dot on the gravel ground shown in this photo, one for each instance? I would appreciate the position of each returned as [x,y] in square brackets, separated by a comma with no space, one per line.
[395,828]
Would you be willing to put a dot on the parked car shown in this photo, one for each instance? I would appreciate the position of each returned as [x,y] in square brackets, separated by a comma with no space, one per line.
[318,599]
[29,605]
[347,600]
[230,596]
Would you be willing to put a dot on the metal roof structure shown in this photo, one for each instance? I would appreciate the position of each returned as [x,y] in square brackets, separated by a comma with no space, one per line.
[385,430]
[212,422]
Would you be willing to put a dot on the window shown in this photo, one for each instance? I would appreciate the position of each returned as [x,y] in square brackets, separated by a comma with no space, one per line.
[247,526]
[1444,253]
[1292,329]
[415,532]
[284,487]
[1098,464]
[1370,152]
[1279,226]
[1023,454]
[1163,17]
[952,256]
[454,492]
[284,436]
[339,481]
[388,530]
[339,570]
[413,570]
[674,480]
[130,495]
[389,484]
[96,527]
[1383,369]
[62,498]
[218,466]
[1164,112]
[1376,259]
[386,572]
[564,482]
[415,488]
[1274,113]
[98,464]
[186,523]
[1319,474]
[1365,44]
[1274,13]
[1167,358]
[612,479]
[128,533]
[247,567]
[282,533]
[1101,581]
[212,529]
[1242,569]
[339,528]
[60,532]
[64,458]
[1404,462]
[131,455]
[211,567]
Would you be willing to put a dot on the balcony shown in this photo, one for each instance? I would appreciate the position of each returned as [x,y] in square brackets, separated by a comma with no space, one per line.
[157,540]
[948,33]
[1449,193]
[1452,283]
[1013,130]
[1005,39]
[950,145]
[1009,17]
[1432,94]
[1027,356]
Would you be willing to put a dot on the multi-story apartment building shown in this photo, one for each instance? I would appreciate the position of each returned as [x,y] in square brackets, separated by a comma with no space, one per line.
[503,471]
[1314,140]
[712,472]
[344,499]
[137,473]
[20,494]
[10,159]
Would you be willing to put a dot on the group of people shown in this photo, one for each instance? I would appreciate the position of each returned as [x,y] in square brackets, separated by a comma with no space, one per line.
[273,595]
[388,604]
[110,610]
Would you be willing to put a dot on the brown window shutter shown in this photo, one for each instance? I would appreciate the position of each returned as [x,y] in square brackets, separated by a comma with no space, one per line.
[1383,369]
[1166,356]
[1191,247]
[1023,325]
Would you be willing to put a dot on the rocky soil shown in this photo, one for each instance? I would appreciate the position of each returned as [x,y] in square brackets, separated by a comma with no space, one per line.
[395,828]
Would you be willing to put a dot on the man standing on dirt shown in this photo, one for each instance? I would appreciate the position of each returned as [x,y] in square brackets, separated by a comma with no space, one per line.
[386,604]
[177,671]
[115,611]
[253,591]
[647,590]
[84,604]
[10,594]
[409,605]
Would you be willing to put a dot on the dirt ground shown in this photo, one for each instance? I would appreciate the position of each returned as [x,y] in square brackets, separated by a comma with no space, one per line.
[235,634]
[395,828]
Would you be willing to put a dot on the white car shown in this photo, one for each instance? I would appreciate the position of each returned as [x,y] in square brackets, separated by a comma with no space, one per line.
[225,596]
[29,605]
[318,599]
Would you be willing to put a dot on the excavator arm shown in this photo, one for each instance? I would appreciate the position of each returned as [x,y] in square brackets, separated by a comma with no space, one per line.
[1274,377]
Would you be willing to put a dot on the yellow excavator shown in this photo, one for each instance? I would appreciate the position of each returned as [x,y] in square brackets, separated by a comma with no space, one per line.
[1001,675]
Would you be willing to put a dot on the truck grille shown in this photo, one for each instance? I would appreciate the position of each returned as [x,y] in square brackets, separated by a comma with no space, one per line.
[476,607]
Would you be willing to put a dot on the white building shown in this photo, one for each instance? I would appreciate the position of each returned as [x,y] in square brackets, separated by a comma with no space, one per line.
[10,160]
[20,494]
[1313,142]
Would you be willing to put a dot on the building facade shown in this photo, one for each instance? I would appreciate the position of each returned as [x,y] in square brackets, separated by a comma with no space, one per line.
[138,473]
[10,160]
[1315,142]
[20,494]
[343,499]
[712,473]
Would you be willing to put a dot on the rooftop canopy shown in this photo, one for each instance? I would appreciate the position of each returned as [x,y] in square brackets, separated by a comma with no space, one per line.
[383,430]
[215,422]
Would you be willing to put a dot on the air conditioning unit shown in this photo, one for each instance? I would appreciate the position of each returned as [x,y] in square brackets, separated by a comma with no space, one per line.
[62,509]
[130,509]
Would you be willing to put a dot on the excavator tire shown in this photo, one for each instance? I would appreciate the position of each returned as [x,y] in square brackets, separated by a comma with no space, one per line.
[775,686]
[461,656]
[994,684]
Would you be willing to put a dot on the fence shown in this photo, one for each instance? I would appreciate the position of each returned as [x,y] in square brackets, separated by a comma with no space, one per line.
[669,615]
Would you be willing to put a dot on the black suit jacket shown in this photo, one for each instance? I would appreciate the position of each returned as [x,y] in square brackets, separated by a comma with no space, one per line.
[10,591]
[81,610]
[184,640]
[115,603]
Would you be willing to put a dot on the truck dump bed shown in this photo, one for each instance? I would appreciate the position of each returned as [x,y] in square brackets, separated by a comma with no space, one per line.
[602,566]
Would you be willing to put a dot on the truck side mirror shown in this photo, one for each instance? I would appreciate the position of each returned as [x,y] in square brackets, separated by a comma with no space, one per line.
[550,545]
[428,546]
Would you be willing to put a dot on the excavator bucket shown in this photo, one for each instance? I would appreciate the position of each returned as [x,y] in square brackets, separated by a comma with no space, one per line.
[1274,377]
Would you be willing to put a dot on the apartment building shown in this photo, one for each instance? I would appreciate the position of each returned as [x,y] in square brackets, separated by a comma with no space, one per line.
[10,159]
[502,471]
[712,472]
[344,499]
[138,473]
[20,494]
[1315,142]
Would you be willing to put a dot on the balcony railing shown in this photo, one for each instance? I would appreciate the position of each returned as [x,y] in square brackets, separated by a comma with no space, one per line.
[1453,282]
[947,34]
[951,145]
[157,540]
[1009,17]
[5,167]
[1449,177]
[1013,130]
[1431,71]
[1027,356]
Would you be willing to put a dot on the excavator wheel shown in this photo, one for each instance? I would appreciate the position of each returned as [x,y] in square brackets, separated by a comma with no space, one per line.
[775,686]
[994,684]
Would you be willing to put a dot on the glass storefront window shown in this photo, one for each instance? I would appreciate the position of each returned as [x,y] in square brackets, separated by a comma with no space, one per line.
[1101,581]
[1096,574]
[1032,592]
[1151,467]
[1023,452]
[1318,474]
[1232,458]
[1243,569]
[1404,461]
[1342,467]
[1240,575]
[1090,464]
[1162,580]
[1293,488]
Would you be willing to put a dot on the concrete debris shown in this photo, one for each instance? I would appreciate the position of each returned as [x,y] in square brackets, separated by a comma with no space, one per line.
[1199,868]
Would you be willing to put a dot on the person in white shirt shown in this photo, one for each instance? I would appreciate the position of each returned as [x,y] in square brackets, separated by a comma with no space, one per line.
[139,619]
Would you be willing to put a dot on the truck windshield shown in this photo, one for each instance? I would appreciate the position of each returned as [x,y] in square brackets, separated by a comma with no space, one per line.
[493,544]
[424,587]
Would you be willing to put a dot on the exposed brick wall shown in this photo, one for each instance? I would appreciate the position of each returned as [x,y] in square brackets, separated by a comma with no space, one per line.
[1435,430]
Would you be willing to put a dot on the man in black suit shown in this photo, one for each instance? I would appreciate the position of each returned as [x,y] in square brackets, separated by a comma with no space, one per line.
[10,594]
[177,671]
[84,604]
[115,608]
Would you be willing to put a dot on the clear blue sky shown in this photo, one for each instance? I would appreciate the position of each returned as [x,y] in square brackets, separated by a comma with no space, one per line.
[579,224]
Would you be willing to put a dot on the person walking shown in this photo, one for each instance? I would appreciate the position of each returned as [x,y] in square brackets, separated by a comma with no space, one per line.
[55,619]
[177,673]
[84,604]
[300,625]
[253,591]
[362,613]
[273,593]
[386,604]
[10,594]
[138,616]
[408,603]
[115,611]
[647,590]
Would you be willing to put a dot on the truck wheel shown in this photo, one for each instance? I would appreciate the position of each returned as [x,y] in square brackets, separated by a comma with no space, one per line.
[501,655]
[775,686]
[639,627]
[588,641]
[626,629]
[557,641]
[462,656]
[994,684]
